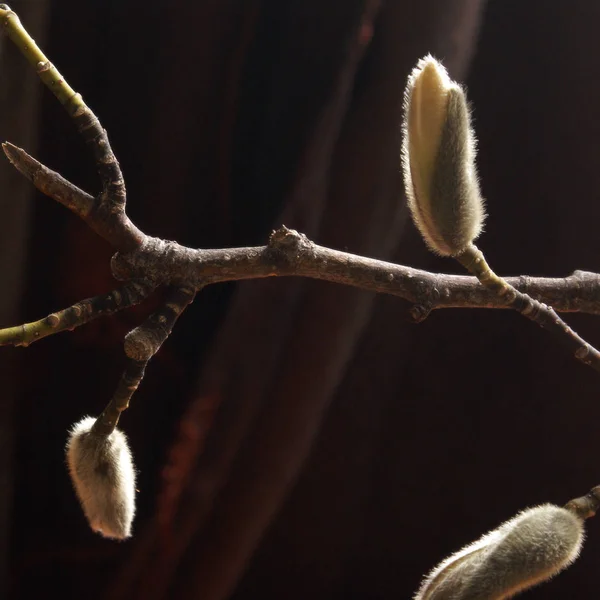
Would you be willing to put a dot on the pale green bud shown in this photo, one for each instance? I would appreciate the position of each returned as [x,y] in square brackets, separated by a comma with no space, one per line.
[103,476]
[530,548]
[438,159]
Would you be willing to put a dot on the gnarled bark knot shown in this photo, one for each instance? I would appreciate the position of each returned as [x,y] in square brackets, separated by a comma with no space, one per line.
[289,241]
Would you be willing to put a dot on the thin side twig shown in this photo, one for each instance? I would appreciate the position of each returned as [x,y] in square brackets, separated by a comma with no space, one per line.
[133,292]
[115,227]
[538,312]
[141,344]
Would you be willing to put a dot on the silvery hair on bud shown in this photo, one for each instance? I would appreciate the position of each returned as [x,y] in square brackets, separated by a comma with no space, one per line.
[103,476]
[530,548]
[451,215]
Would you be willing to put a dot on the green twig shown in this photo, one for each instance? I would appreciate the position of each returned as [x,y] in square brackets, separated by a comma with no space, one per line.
[113,185]
[474,261]
[129,294]
[47,72]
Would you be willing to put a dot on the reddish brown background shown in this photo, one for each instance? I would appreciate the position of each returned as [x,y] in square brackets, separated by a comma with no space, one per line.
[296,439]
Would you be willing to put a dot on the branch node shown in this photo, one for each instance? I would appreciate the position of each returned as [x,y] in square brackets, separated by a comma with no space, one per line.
[142,343]
[419,312]
[586,506]
[285,239]
[53,320]
[43,66]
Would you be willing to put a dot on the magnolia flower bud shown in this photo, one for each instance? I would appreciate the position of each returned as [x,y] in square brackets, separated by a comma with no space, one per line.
[530,548]
[103,476]
[438,159]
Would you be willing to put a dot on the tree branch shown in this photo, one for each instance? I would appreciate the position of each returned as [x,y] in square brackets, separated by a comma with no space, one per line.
[133,292]
[118,230]
[288,253]
[141,344]
[538,312]
[580,292]
[114,226]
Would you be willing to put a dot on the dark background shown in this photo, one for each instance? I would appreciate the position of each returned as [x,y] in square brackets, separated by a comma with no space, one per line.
[297,439]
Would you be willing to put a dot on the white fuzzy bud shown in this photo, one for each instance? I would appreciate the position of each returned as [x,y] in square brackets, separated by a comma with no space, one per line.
[530,548]
[438,159]
[103,476]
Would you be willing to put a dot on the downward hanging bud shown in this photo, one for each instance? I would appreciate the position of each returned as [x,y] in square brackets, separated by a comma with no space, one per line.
[438,159]
[103,476]
[530,548]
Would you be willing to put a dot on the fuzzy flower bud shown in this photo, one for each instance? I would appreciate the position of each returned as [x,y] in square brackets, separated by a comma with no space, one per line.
[530,548]
[438,159]
[103,476]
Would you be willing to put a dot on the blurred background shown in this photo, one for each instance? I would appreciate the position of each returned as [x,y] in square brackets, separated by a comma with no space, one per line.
[295,438]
